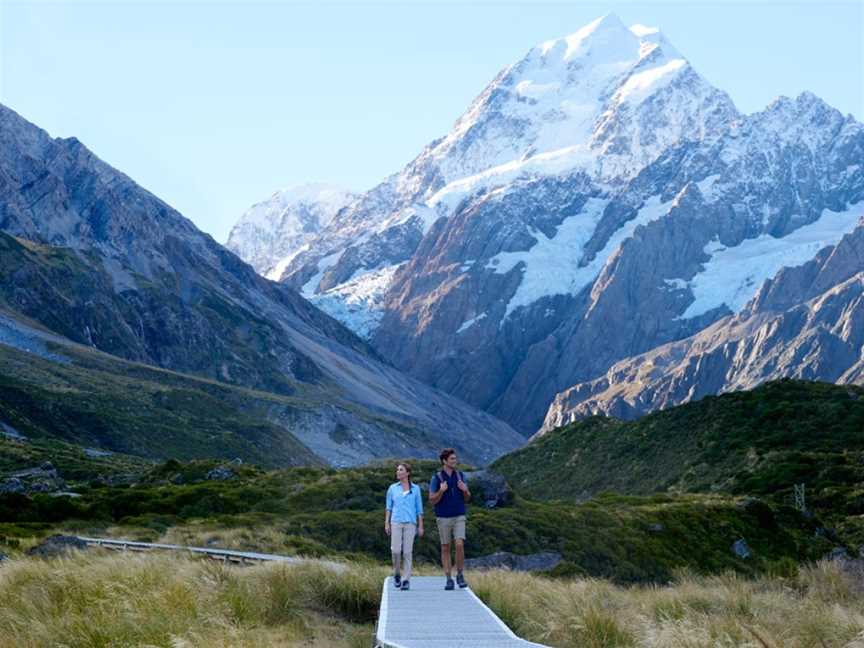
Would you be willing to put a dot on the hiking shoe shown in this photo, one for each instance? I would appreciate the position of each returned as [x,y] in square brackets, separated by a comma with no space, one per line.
[449,584]
[397,581]
[460,581]
[405,586]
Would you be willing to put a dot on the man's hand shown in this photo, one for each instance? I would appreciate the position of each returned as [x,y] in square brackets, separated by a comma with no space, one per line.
[462,486]
[443,487]
[420,531]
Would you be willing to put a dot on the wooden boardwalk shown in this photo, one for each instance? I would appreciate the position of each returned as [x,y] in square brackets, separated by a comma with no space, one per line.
[427,616]
[227,555]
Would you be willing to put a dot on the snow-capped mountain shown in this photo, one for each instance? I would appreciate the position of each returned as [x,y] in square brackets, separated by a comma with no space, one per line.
[270,232]
[599,198]
[606,100]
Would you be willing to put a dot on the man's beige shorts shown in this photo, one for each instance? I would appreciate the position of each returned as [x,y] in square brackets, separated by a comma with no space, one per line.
[451,527]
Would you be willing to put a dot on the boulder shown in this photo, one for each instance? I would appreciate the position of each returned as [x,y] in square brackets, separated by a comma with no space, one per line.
[44,479]
[118,479]
[838,553]
[57,545]
[221,473]
[741,549]
[96,452]
[543,561]
[489,488]
[12,485]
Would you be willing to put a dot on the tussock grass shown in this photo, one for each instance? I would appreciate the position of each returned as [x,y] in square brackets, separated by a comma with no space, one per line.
[96,600]
[101,600]
[821,607]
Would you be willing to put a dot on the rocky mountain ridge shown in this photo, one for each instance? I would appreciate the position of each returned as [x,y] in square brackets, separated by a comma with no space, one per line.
[99,261]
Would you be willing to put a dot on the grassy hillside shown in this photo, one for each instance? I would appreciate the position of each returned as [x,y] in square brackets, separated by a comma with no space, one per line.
[757,443]
[98,400]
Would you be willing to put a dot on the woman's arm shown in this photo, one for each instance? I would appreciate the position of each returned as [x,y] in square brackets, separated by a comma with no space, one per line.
[418,502]
[387,507]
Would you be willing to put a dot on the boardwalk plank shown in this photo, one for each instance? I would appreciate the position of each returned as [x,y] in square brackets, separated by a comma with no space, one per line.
[427,616]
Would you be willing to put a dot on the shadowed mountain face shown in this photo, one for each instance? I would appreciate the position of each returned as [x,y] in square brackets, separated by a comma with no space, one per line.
[597,200]
[95,258]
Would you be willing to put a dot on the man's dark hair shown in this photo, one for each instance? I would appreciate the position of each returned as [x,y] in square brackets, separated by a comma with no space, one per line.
[445,454]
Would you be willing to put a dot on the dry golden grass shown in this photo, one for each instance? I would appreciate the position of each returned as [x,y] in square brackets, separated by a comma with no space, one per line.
[98,600]
[820,608]
[114,600]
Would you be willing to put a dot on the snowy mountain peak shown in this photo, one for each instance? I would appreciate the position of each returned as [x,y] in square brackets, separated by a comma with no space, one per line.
[326,198]
[806,119]
[568,98]
[604,37]
[271,230]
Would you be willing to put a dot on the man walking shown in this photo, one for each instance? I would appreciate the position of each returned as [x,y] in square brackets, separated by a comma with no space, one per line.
[448,492]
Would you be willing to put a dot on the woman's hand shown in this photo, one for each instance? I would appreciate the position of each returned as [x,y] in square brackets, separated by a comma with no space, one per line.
[387,528]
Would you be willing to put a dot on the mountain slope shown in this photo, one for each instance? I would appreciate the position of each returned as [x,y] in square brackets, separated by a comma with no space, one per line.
[104,263]
[760,442]
[599,184]
[807,323]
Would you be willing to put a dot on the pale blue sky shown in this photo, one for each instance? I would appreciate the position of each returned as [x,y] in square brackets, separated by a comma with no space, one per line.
[214,105]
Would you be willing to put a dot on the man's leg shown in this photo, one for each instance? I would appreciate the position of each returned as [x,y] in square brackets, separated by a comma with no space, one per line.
[459,538]
[445,558]
[460,555]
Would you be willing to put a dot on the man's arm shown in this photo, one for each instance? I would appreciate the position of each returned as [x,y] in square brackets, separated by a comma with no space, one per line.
[436,495]
[466,494]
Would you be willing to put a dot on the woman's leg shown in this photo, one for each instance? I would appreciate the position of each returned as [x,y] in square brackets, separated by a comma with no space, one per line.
[409,530]
[396,545]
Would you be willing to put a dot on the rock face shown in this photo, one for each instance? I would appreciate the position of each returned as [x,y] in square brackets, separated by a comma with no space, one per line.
[807,322]
[97,260]
[597,200]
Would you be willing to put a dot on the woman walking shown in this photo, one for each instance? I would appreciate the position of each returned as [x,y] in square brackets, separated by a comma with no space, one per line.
[402,520]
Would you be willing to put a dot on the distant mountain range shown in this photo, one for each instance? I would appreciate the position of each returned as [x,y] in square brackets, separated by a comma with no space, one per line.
[600,207]
[91,260]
